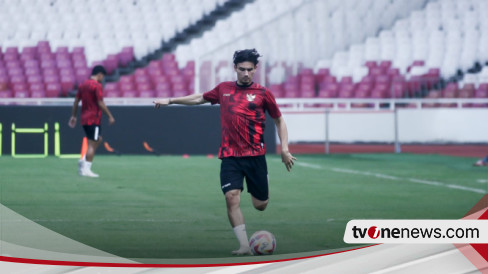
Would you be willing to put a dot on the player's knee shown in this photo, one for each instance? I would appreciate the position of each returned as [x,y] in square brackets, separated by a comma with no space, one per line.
[232,198]
[261,205]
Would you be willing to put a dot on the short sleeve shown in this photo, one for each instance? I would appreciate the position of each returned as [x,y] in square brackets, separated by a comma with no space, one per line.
[270,105]
[212,96]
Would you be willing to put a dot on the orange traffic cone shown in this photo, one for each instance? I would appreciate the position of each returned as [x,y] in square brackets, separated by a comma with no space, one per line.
[84,147]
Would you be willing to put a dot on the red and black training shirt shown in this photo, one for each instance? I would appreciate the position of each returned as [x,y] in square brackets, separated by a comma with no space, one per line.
[90,92]
[242,115]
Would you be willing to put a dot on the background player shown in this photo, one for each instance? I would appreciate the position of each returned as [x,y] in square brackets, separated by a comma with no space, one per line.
[482,162]
[242,111]
[90,93]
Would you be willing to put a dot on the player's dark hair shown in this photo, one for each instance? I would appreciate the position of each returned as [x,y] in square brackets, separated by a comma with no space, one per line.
[98,69]
[246,55]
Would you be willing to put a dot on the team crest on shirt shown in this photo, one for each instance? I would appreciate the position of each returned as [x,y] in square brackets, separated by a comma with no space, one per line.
[250,97]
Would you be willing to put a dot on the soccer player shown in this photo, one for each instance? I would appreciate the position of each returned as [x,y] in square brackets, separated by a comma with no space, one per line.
[242,112]
[91,96]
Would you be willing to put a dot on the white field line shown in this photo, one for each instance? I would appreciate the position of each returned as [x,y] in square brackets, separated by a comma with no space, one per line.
[394,178]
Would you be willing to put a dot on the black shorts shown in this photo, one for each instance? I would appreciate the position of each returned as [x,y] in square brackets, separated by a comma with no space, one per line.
[233,170]
[92,132]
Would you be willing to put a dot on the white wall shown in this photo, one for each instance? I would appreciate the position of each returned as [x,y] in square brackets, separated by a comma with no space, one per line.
[414,125]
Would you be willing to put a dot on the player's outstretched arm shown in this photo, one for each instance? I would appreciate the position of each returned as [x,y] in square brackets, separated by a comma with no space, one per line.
[286,156]
[194,99]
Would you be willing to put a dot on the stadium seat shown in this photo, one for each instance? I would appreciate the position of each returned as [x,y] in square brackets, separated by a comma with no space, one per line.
[330,90]
[129,93]
[53,89]
[433,94]
[5,94]
[481,92]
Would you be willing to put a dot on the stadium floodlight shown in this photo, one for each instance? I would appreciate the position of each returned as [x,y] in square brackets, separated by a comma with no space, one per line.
[16,131]
[57,144]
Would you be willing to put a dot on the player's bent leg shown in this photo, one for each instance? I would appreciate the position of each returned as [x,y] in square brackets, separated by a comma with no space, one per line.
[258,204]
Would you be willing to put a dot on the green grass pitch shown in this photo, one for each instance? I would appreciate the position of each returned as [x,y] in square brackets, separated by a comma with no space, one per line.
[171,207]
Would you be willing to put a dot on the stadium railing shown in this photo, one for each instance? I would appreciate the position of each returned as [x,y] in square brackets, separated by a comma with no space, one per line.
[293,104]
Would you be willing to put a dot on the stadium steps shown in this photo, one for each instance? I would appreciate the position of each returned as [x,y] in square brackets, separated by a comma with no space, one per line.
[195,30]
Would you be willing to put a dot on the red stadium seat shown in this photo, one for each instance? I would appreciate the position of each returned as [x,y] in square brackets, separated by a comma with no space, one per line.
[53,89]
[346,80]
[19,86]
[180,89]
[144,86]
[379,93]
[466,92]
[291,90]
[376,71]
[393,72]
[451,91]
[50,72]
[415,84]
[127,86]
[82,74]
[483,86]
[386,64]
[126,56]
[329,79]
[32,72]
[37,87]
[35,79]
[399,90]
[481,93]
[3,82]
[38,93]
[307,90]
[433,94]
[147,94]
[29,64]
[129,94]
[51,79]
[321,74]
[67,85]
[5,93]
[361,93]
[329,91]
[111,63]
[112,94]
[277,90]
[21,94]
[370,64]
[347,91]
[48,63]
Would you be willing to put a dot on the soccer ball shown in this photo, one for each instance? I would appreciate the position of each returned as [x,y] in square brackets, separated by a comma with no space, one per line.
[262,243]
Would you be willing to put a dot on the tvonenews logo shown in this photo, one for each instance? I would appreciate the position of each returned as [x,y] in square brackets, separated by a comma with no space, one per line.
[416,231]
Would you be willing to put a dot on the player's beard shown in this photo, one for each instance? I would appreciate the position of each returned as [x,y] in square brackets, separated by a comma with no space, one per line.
[246,80]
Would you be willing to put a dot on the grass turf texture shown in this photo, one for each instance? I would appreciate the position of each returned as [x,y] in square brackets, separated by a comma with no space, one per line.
[171,207]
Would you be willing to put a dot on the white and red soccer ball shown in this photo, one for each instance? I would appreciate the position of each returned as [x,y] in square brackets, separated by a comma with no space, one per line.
[262,243]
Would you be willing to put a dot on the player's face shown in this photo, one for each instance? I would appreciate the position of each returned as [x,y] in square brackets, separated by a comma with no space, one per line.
[100,77]
[245,72]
